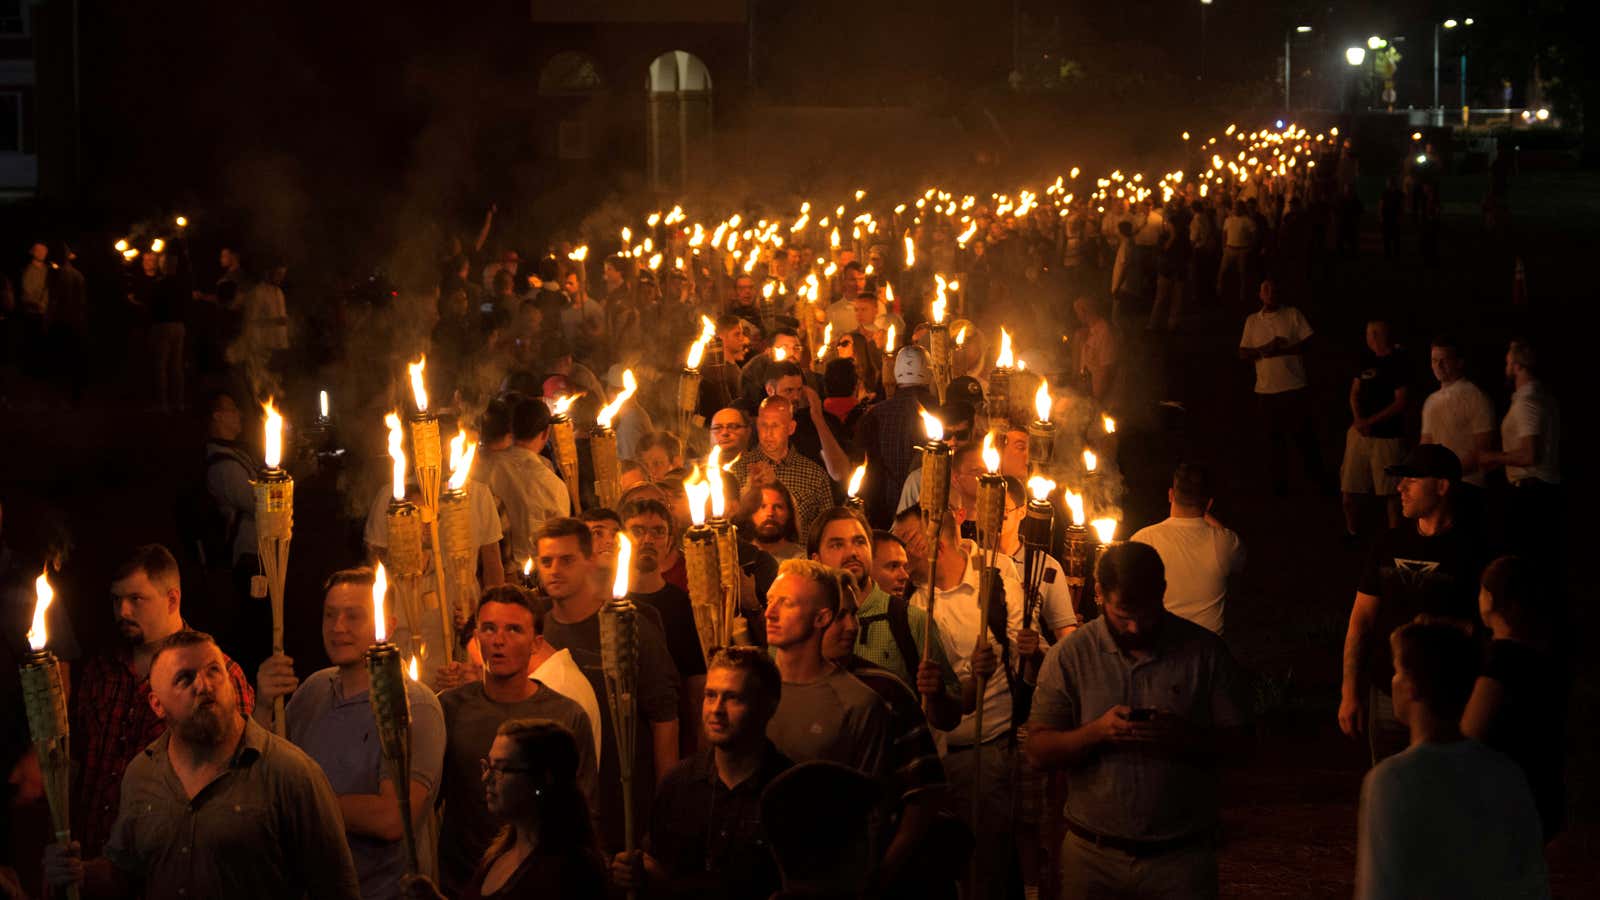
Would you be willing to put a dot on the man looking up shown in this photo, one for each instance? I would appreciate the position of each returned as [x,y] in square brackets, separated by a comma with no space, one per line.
[565,562]
[330,718]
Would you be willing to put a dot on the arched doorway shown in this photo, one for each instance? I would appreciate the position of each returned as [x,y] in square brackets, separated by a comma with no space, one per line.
[679,140]
[569,82]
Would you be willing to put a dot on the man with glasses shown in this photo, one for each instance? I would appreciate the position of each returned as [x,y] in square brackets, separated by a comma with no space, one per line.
[965,465]
[730,430]
[649,523]
[507,629]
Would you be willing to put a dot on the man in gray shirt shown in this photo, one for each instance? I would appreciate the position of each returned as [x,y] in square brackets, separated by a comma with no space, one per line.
[824,712]
[472,715]
[330,718]
[217,806]
[1136,708]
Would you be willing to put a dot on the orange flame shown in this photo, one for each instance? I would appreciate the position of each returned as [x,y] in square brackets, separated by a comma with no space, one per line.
[856,478]
[461,453]
[1005,359]
[931,425]
[397,453]
[39,632]
[1042,401]
[991,454]
[1090,461]
[619,587]
[273,451]
[380,587]
[1040,487]
[1105,529]
[1075,506]
[419,390]
[719,503]
[629,387]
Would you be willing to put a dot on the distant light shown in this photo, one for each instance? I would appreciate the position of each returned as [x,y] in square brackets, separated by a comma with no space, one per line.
[1355,56]
[1542,114]
[1416,135]
[1280,124]
[1449,23]
[1466,22]
[1422,160]
[1376,43]
[1205,2]
[1302,29]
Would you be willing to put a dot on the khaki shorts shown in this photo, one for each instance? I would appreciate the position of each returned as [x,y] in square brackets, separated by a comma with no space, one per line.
[1365,458]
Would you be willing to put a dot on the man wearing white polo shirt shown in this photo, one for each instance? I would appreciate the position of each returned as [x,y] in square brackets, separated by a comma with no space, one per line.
[1460,416]
[1198,552]
[1273,337]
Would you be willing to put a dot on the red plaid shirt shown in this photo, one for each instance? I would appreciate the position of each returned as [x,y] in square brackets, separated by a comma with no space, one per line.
[112,722]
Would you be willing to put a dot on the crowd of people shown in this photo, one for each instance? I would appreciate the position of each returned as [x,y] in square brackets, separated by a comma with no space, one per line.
[870,733]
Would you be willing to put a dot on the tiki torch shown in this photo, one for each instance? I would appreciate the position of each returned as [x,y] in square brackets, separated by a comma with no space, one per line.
[1041,433]
[1000,383]
[404,524]
[1077,555]
[733,626]
[939,343]
[566,444]
[689,378]
[819,364]
[427,457]
[274,495]
[603,446]
[392,711]
[455,532]
[46,700]
[888,363]
[934,501]
[990,517]
[1035,530]
[853,492]
[700,560]
[619,658]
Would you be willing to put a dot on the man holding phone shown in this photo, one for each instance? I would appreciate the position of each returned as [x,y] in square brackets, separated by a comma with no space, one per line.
[1137,707]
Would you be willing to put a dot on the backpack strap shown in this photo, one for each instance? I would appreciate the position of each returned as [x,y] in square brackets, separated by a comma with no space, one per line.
[899,617]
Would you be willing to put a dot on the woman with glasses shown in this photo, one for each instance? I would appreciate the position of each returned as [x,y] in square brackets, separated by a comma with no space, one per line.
[547,847]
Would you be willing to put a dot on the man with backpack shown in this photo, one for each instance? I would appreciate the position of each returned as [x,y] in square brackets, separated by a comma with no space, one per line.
[225,538]
[891,631]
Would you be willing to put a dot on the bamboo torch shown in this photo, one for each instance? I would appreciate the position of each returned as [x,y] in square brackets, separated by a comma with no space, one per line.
[700,560]
[566,444]
[1034,532]
[274,496]
[990,515]
[455,532]
[1105,531]
[1077,556]
[1000,383]
[46,700]
[404,524]
[689,378]
[619,658]
[733,626]
[853,491]
[1041,433]
[391,709]
[939,342]
[934,501]
[888,363]
[427,457]
[603,446]
[819,364]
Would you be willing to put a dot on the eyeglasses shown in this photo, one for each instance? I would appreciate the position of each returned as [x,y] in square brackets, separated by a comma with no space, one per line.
[498,771]
[736,426]
[645,532]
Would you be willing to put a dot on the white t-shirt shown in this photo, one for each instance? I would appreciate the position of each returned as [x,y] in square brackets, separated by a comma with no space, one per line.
[1533,412]
[1239,232]
[1198,557]
[956,614]
[1454,415]
[529,488]
[1055,610]
[560,673]
[1449,820]
[1276,374]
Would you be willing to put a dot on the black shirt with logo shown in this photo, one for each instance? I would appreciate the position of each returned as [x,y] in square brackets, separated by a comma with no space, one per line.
[1412,574]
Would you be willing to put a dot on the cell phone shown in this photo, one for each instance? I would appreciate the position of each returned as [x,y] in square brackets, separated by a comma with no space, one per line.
[1141,714]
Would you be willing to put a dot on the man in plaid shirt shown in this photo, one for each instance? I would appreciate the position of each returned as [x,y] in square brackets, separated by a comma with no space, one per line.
[773,457]
[111,717]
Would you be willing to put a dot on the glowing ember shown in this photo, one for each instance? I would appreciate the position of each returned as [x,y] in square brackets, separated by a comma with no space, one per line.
[380,587]
[1105,529]
[619,588]
[181,222]
[856,478]
[273,450]
[38,632]
[419,390]
[397,453]
[1039,487]
[121,245]
[629,387]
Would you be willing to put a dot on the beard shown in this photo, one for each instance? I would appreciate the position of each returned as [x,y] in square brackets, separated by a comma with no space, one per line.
[1129,643]
[208,724]
[770,530]
[130,631]
[648,561]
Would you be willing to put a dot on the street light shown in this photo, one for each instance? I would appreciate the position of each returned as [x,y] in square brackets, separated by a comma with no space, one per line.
[1355,56]
[1288,72]
[1376,43]
[1449,24]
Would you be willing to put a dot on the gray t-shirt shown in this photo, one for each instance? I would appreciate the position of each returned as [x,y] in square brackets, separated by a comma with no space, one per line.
[341,735]
[1136,792]
[472,720]
[835,718]
[1449,820]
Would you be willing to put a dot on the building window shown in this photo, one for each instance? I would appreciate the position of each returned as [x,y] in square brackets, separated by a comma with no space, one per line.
[10,121]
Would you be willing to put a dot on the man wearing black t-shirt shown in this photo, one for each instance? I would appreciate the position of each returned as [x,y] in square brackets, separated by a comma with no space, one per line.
[649,524]
[1375,440]
[1427,565]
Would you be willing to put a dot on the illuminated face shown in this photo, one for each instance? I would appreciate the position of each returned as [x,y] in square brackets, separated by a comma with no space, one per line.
[603,538]
[789,344]
[1445,364]
[791,388]
[1420,497]
[570,284]
[1014,454]
[771,518]
[891,568]
[794,612]
[730,431]
[735,342]
[505,638]
[190,691]
[866,311]
[507,787]
[145,611]
[839,641]
[846,545]
[728,706]
[564,570]
[651,535]
[855,281]
[347,626]
[774,424]
[745,290]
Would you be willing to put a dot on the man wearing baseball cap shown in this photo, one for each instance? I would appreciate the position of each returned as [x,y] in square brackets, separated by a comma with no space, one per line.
[1427,565]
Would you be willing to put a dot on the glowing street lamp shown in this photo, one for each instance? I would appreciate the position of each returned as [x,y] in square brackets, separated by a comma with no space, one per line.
[1355,56]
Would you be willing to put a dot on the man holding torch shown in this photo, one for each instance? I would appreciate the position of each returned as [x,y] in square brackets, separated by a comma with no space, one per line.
[331,719]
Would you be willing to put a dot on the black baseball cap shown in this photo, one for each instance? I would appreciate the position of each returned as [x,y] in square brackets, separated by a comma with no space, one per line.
[1428,461]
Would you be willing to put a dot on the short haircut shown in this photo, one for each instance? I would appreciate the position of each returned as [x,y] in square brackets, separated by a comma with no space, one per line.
[666,440]
[785,369]
[1517,592]
[1448,341]
[359,576]
[180,640]
[565,527]
[617,264]
[513,595]
[839,378]
[1191,485]
[600,514]
[962,451]
[1524,354]
[828,517]
[879,536]
[825,579]
[743,416]
[761,673]
[728,322]
[529,419]
[155,561]
[1134,571]
[785,331]
[646,506]
[215,398]
[548,269]
[495,423]
[854,265]
[1441,660]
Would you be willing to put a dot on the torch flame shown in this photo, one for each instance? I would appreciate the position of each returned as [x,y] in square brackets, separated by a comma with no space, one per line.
[719,503]
[419,390]
[411,669]
[827,338]
[833,238]
[629,386]
[121,245]
[273,451]
[1040,487]
[1075,506]
[461,453]
[1089,460]
[619,588]
[157,245]
[380,587]
[779,354]
[1108,423]
[931,425]
[1005,360]
[938,309]
[961,336]
[322,403]
[911,252]
[1105,529]
[397,452]
[1042,402]
[698,490]
[564,403]
[991,454]
[856,478]
[527,567]
[38,632]
[181,222]
[888,342]
[888,296]
[580,254]
[697,351]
